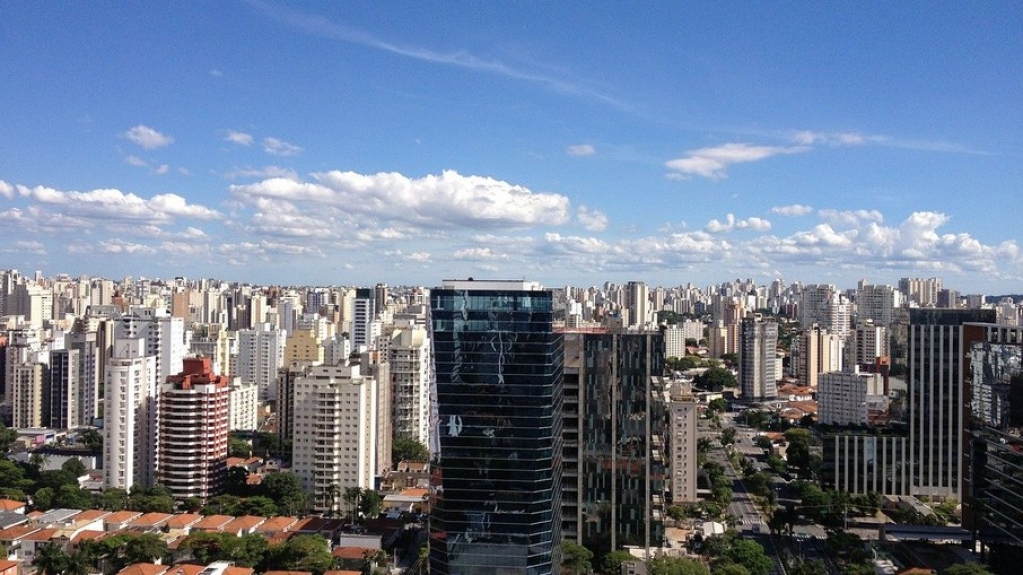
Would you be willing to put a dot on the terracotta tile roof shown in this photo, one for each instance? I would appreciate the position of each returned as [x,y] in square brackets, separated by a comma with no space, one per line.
[143,569]
[41,535]
[11,504]
[233,461]
[415,492]
[245,522]
[238,571]
[342,572]
[213,522]
[350,552]
[186,569]
[90,515]
[287,573]
[182,520]
[17,532]
[6,564]
[150,520]
[121,517]
[280,537]
[275,524]
[87,535]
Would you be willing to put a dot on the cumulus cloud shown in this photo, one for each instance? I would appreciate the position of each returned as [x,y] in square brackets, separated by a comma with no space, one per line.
[114,246]
[478,254]
[792,210]
[112,204]
[276,147]
[264,172]
[240,138]
[161,169]
[592,220]
[850,217]
[581,150]
[731,223]
[448,200]
[147,137]
[136,161]
[6,190]
[713,163]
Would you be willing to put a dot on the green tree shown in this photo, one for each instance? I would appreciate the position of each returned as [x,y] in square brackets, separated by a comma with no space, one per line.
[7,438]
[43,498]
[91,439]
[370,503]
[575,558]
[247,550]
[750,555]
[716,379]
[728,436]
[72,497]
[612,562]
[257,505]
[113,499]
[966,569]
[238,447]
[286,490]
[237,482]
[351,497]
[145,548]
[207,547]
[676,566]
[815,567]
[730,569]
[719,404]
[408,449]
[50,559]
[74,466]
[300,553]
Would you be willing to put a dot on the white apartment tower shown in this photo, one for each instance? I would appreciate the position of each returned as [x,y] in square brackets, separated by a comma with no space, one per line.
[409,353]
[846,398]
[334,432]
[164,337]
[815,304]
[637,304]
[682,417]
[25,392]
[758,354]
[869,341]
[877,303]
[260,355]
[130,416]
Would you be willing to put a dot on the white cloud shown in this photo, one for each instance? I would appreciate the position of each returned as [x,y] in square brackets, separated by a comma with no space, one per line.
[592,220]
[184,171]
[730,223]
[240,138]
[136,161]
[581,150]
[276,147]
[6,190]
[448,200]
[478,254]
[713,162]
[792,210]
[148,138]
[216,73]
[110,247]
[418,257]
[808,138]
[264,172]
[112,204]
[161,169]
[850,217]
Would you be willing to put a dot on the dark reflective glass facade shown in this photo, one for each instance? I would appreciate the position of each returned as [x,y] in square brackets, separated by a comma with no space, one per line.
[993,495]
[497,433]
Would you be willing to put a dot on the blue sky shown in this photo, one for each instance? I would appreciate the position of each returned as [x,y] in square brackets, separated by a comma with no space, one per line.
[573,143]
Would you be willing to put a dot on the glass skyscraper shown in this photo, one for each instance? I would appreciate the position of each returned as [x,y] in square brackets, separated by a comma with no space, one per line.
[496,435]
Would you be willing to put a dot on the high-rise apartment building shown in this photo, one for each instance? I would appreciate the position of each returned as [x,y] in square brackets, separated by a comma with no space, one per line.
[758,352]
[408,352]
[815,304]
[923,292]
[63,387]
[25,392]
[681,447]
[498,434]
[935,386]
[164,337]
[877,303]
[334,441]
[90,370]
[849,397]
[363,315]
[637,305]
[816,351]
[194,410]
[260,355]
[130,416]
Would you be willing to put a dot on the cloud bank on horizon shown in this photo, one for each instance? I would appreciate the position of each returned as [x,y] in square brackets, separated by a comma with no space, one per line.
[337,146]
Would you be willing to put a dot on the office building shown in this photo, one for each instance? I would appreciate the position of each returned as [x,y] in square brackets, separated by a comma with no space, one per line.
[614,473]
[935,389]
[63,387]
[849,398]
[859,463]
[194,410]
[497,437]
[993,483]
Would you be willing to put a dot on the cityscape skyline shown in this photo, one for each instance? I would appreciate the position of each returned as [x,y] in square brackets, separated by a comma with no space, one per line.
[320,145]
